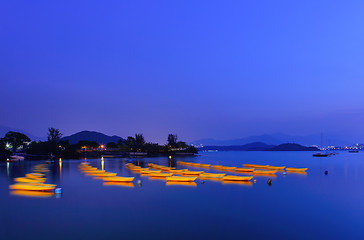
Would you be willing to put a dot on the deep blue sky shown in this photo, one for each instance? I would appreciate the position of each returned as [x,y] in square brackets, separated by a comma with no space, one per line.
[221,69]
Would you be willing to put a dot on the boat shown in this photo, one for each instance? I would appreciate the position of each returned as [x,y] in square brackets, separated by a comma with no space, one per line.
[296,169]
[118,179]
[160,175]
[32,187]
[178,171]
[280,168]
[106,174]
[216,166]
[320,154]
[244,169]
[150,171]
[255,165]
[34,175]
[192,172]
[264,171]
[212,175]
[227,168]
[353,151]
[94,171]
[236,178]
[181,179]
[29,180]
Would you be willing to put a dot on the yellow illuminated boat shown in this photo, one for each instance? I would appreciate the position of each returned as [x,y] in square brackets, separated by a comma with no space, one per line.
[118,179]
[30,180]
[150,171]
[34,175]
[237,178]
[179,171]
[244,169]
[32,187]
[264,171]
[217,166]
[227,168]
[160,175]
[94,171]
[296,169]
[191,172]
[181,179]
[205,165]
[255,165]
[106,174]
[212,175]
[281,168]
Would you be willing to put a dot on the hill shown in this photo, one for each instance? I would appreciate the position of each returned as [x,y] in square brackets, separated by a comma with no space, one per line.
[4,130]
[91,136]
[276,139]
[292,147]
[256,146]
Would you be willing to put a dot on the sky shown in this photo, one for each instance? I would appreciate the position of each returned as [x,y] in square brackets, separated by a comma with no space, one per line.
[200,69]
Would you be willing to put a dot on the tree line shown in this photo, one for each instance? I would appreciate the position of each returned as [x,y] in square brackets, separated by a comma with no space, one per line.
[55,146]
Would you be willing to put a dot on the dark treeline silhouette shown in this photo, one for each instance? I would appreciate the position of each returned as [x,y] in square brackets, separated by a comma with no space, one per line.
[56,147]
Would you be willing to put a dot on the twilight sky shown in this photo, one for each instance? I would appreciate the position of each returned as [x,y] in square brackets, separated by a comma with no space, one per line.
[220,69]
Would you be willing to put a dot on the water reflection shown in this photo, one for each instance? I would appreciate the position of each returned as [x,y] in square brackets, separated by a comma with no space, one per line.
[245,183]
[120,184]
[37,194]
[190,184]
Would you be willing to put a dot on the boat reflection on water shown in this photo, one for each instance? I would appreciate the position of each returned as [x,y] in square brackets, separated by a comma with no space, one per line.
[120,184]
[157,178]
[264,175]
[211,179]
[296,172]
[246,183]
[38,194]
[190,184]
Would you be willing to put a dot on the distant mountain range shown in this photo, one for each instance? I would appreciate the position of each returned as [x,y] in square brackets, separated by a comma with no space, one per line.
[4,130]
[259,146]
[275,139]
[91,136]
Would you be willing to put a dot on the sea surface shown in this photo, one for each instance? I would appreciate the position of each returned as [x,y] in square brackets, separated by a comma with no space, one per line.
[295,206]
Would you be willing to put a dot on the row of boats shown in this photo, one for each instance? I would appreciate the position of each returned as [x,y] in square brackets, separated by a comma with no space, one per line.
[182,175]
[255,169]
[108,177]
[33,184]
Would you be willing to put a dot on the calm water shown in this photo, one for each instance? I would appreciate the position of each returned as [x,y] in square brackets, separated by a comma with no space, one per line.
[295,206]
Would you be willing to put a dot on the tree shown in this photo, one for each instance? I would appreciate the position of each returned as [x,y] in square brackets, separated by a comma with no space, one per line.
[181,144]
[172,140]
[16,140]
[139,140]
[111,145]
[130,142]
[54,135]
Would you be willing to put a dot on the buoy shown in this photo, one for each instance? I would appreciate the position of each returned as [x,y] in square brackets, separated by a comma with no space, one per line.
[255,180]
[284,173]
[202,181]
[269,181]
[139,182]
[326,172]
[58,190]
